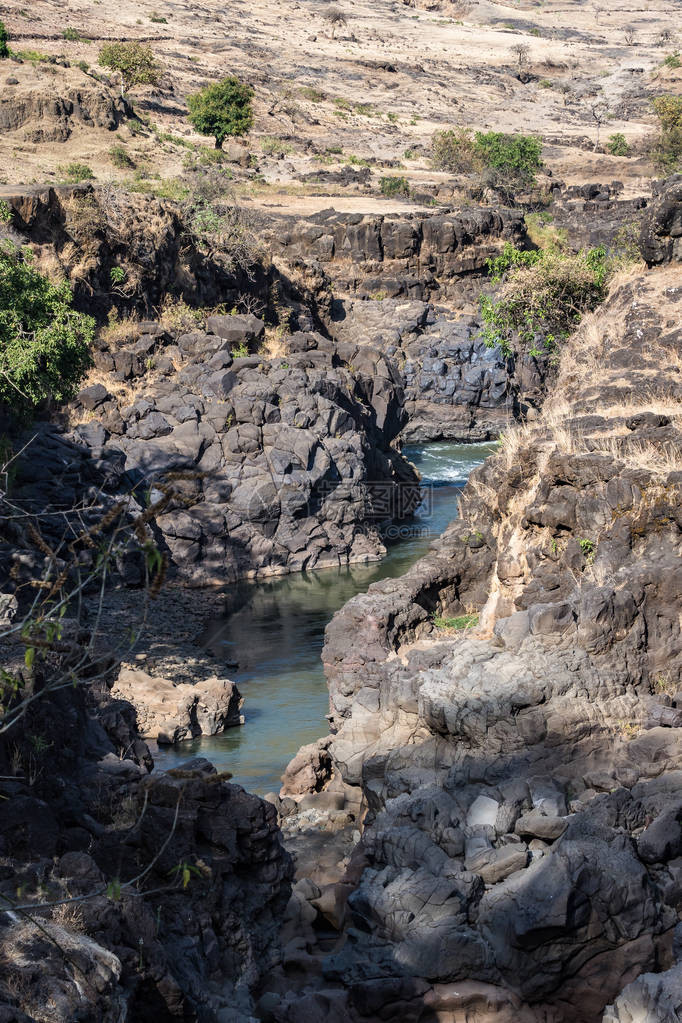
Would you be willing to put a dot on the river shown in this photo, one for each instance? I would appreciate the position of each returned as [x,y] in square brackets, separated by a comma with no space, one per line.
[274,630]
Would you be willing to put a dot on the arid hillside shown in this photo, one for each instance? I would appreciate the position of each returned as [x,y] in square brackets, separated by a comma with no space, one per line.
[339,104]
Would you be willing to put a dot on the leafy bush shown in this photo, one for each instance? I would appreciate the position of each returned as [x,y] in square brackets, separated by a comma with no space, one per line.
[6,212]
[4,48]
[222,109]
[617,145]
[75,172]
[72,35]
[391,186]
[668,149]
[518,156]
[134,62]
[673,60]
[120,158]
[543,296]
[44,342]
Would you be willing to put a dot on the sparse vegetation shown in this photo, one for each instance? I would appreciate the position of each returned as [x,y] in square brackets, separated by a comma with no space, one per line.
[222,109]
[391,186]
[459,622]
[120,158]
[44,342]
[617,145]
[75,172]
[73,35]
[336,18]
[311,93]
[4,39]
[673,61]
[521,52]
[134,62]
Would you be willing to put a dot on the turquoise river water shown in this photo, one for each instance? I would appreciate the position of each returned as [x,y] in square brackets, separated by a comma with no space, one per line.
[274,630]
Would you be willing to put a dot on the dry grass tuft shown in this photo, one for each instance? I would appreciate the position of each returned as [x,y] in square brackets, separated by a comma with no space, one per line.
[70,917]
[120,329]
[274,344]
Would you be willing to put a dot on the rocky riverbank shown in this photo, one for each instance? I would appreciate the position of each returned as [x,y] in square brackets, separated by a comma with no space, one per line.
[505,717]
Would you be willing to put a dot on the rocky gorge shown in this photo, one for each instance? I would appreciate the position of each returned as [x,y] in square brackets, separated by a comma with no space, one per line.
[518,778]
[491,830]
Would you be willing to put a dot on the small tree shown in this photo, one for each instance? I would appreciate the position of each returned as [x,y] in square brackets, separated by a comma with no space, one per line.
[522,53]
[134,62]
[222,109]
[44,342]
[618,145]
[4,48]
[336,18]
[454,150]
[600,115]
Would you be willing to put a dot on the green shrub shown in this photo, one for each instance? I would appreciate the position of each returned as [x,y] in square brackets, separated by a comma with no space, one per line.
[6,212]
[222,109]
[75,172]
[673,60]
[668,148]
[459,622]
[617,145]
[543,295]
[158,19]
[518,156]
[391,186]
[134,62]
[44,342]
[4,48]
[73,35]
[120,158]
[311,93]
[272,146]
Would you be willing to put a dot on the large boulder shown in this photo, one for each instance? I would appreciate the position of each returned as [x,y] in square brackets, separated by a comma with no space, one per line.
[660,239]
[170,713]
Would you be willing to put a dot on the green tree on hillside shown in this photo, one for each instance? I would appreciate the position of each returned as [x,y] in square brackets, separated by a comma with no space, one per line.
[134,62]
[4,48]
[668,150]
[222,109]
[44,342]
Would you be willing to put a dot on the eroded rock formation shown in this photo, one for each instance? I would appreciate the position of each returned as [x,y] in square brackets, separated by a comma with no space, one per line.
[521,776]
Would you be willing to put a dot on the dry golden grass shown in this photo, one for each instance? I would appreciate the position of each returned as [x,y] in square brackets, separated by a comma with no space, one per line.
[175,315]
[274,344]
[69,916]
[120,329]
[658,459]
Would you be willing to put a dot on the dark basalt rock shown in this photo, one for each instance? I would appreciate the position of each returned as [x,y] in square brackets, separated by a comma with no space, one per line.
[287,463]
[520,779]
[661,235]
